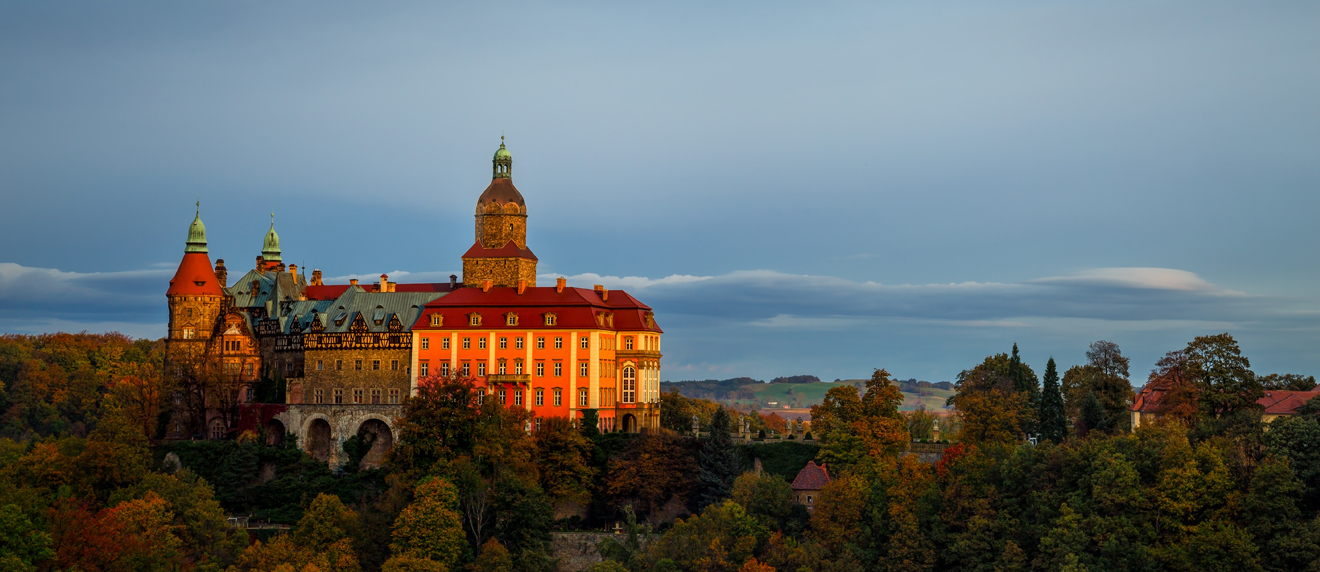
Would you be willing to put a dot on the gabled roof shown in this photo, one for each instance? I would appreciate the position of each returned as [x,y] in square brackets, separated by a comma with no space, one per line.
[574,308]
[509,250]
[1149,399]
[1283,402]
[272,286]
[195,277]
[812,477]
[338,315]
[332,291]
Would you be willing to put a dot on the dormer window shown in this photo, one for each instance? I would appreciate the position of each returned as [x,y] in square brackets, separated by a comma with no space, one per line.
[628,343]
[340,317]
[474,319]
[379,316]
[511,319]
[437,320]
[551,319]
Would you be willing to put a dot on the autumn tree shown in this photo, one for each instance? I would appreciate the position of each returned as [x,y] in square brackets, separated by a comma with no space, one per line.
[438,423]
[1223,376]
[23,544]
[1052,418]
[996,399]
[430,527]
[564,460]
[654,469]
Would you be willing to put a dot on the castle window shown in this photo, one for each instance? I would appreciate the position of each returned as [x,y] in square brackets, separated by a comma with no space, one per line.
[394,397]
[559,397]
[517,343]
[629,384]
[426,343]
[502,367]
[585,343]
[288,367]
[318,365]
[339,364]
[559,343]
[540,369]
[582,397]
[474,319]
[503,397]
[375,365]
[540,343]
[481,369]
[187,333]
[217,429]
[318,396]
[467,343]
[559,369]
[517,397]
[627,343]
[424,368]
[357,396]
[437,320]
[582,369]
[467,370]
[444,344]
[504,343]
[339,397]
[540,397]
[517,367]
[551,319]
[250,397]
[357,364]
[538,423]
[481,343]
[375,396]
[511,319]
[444,369]
[394,365]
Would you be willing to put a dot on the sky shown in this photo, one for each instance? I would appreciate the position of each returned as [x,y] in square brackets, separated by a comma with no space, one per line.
[815,188]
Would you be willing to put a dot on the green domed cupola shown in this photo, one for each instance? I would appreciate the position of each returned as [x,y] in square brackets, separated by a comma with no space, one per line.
[270,249]
[196,233]
[502,164]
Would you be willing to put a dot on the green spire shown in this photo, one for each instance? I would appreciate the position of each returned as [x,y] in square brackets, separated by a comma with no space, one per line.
[270,249]
[196,234]
[502,164]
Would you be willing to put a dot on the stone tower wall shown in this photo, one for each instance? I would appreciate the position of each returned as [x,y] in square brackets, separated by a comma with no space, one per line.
[500,271]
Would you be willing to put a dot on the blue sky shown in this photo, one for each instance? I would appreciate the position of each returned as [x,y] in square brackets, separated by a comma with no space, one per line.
[815,188]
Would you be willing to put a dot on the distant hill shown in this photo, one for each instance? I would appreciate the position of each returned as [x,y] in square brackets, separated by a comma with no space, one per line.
[747,393]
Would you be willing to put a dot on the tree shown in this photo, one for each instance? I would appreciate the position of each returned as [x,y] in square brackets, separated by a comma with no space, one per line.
[1093,416]
[991,416]
[1105,375]
[840,407]
[881,427]
[722,537]
[199,521]
[23,545]
[1053,421]
[655,468]
[717,463]
[564,459]
[431,527]
[494,557]
[983,393]
[438,424]
[1223,375]
[1288,382]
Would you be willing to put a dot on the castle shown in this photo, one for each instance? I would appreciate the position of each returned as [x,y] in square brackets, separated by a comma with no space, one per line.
[281,354]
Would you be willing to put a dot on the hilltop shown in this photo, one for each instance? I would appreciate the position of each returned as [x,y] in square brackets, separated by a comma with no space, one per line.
[801,392]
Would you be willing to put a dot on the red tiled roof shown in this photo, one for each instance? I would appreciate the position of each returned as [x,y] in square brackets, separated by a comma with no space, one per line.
[811,478]
[509,250]
[574,308]
[1283,402]
[195,277]
[325,292]
[1149,399]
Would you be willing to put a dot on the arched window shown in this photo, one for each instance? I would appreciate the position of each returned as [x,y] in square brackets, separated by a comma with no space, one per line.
[629,384]
[217,429]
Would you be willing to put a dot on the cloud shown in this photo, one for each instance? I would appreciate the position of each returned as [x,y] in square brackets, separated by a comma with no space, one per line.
[133,296]
[1143,278]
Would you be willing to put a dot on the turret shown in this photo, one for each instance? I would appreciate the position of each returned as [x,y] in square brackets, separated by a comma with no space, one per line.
[195,292]
[500,252]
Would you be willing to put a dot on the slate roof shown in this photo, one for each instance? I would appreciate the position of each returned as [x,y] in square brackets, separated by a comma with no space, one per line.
[574,308]
[273,286]
[376,309]
[332,291]
[812,477]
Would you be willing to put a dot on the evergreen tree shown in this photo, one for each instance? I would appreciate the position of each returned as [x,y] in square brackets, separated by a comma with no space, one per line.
[1093,414]
[1053,424]
[718,463]
[590,424]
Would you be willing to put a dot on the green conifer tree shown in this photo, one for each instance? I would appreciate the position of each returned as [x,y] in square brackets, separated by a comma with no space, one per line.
[718,463]
[1093,414]
[1053,423]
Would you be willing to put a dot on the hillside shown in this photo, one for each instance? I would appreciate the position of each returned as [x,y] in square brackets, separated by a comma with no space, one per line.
[745,393]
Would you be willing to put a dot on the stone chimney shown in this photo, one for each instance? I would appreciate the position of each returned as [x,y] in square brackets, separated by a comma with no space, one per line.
[220,273]
[603,293]
[486,284]
[256,287]
[352,281]
[279,267]
[559,285]
[384,282]
[453,282]
[261,264]
[522,286]
[293,269]
[316,277]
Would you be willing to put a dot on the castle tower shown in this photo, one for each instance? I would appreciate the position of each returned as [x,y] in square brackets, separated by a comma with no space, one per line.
[195,295]
[500,253]
[270,247]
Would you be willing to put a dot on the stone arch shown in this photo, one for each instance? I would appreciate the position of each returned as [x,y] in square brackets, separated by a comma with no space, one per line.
[629,423]
[275,432]
[381,435]
[319,440]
